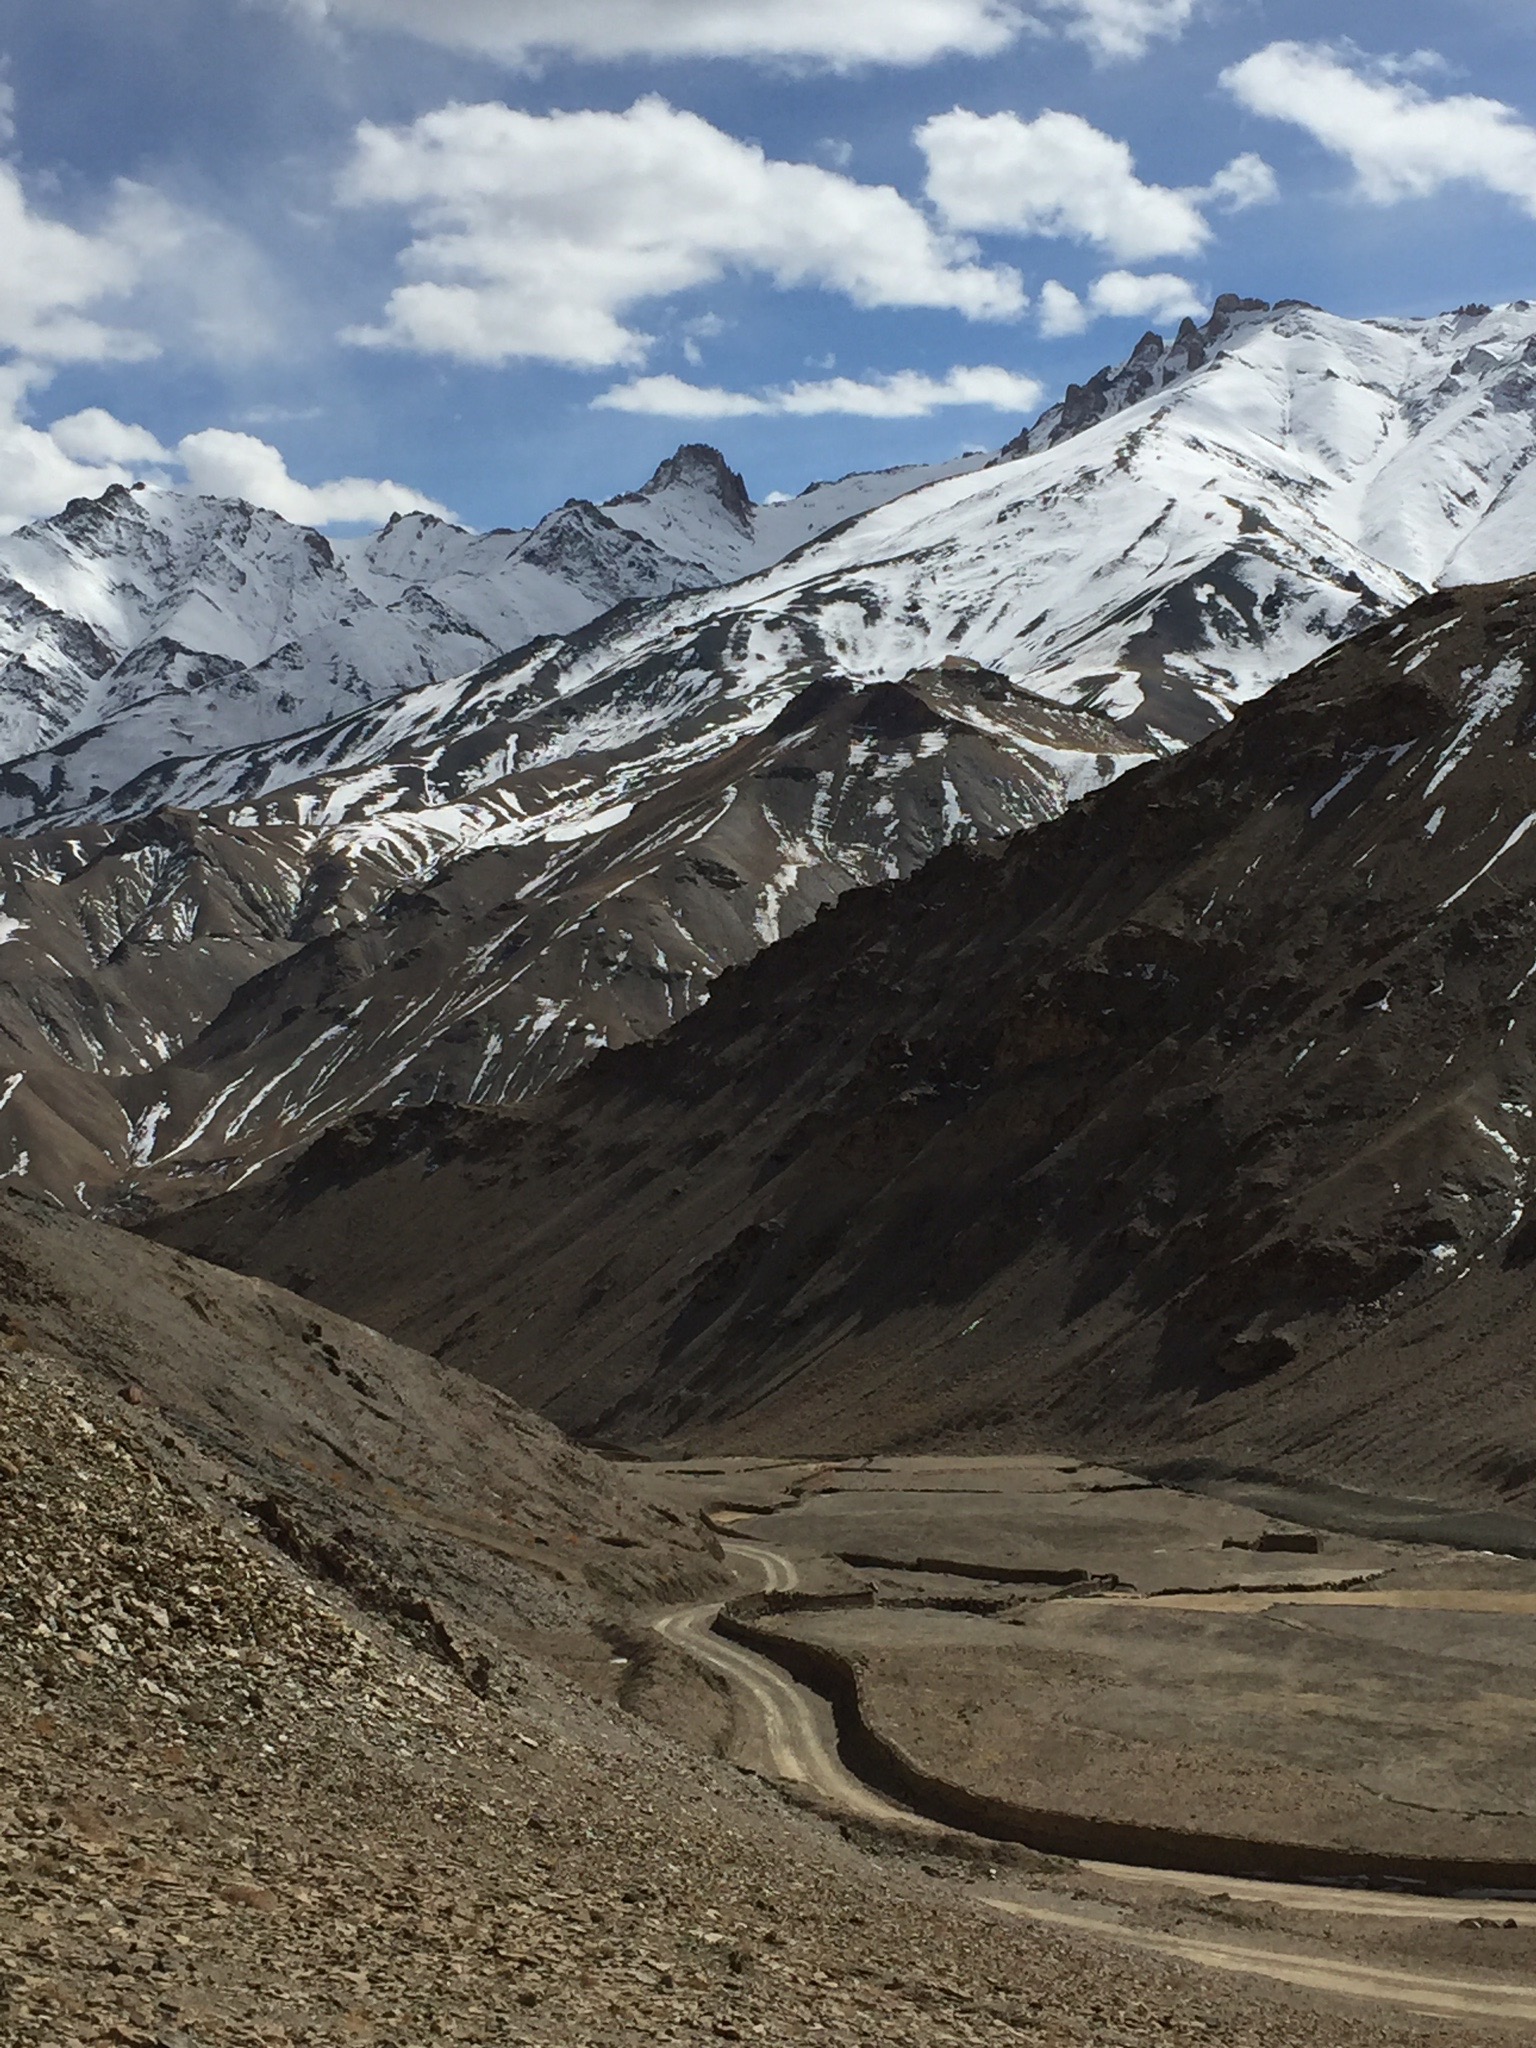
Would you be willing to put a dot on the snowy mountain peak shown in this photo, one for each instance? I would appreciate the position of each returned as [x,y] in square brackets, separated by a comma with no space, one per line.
[82,516]
[697,469]
[148,628]
[815,692]
[1152,365]
[1197,523]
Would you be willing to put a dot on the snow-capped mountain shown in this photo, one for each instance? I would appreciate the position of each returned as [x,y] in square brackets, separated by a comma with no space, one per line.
[698,511]
[192,995]
[1225,507]
[458,889]
[147,625]
[1200,1122]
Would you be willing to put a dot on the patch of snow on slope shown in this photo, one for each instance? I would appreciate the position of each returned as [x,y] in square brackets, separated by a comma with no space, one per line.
[1487,696]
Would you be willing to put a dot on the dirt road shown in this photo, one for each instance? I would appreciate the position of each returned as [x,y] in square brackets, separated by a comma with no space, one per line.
[798,1748]
[788,1732]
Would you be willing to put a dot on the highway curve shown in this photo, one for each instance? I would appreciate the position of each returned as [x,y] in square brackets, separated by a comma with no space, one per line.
[790,1735]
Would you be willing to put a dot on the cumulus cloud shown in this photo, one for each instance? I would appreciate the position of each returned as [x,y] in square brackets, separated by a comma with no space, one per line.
[708,327]
[75,296]
[42,468]
[536,235]
[850,32]
[37,474]
[903,395]
[229,465]
[97,436]
[56,277]
[1246,181]
[147,267]
[1119,294]
[1122,28]
[1061,311]
[1162,297]
[195,278]
[1401,141]
[673,398]
[1060,176]
[58,282]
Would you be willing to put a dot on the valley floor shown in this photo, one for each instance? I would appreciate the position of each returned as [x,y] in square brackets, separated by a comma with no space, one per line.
[1272,1706]
[234,1809]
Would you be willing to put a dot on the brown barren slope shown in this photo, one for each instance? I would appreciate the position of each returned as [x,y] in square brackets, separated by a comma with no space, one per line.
[1197,1120]
[436,1502]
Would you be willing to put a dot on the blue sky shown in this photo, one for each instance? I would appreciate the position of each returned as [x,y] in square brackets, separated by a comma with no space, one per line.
[346,255]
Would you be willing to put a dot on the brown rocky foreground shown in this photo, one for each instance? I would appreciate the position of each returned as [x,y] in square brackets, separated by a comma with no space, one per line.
[246,1798]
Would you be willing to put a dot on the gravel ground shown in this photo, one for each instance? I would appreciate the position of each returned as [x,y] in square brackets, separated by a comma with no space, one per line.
[234,1810]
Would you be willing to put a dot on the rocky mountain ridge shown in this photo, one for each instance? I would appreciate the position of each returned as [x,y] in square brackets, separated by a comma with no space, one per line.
[148,626]
[462,890]
[1196,1122]
[1297,478]
[198,994]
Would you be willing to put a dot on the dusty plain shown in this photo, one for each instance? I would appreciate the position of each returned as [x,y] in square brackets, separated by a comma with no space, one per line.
[342,1701]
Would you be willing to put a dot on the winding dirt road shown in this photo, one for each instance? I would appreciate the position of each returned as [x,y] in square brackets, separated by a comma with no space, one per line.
[792,1739]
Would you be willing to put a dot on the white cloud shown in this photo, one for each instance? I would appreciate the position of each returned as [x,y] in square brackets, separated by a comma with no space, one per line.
[1061,310]
[707,327]
[1162,297]
[56,281]
[55,277]
[228,465]
[1059,176]
[37,475]
[843,33]
[1122,28]
[96,436]
[196,279]
[1120,295]
[1402,142]
[535,235]
[673,398]
[904,395]
[42,468]
[847,33]
[1246,181]
[163,270]
[167,268]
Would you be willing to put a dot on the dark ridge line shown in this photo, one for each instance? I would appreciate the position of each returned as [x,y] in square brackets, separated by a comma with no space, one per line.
[885,1767]
[1352,1582]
